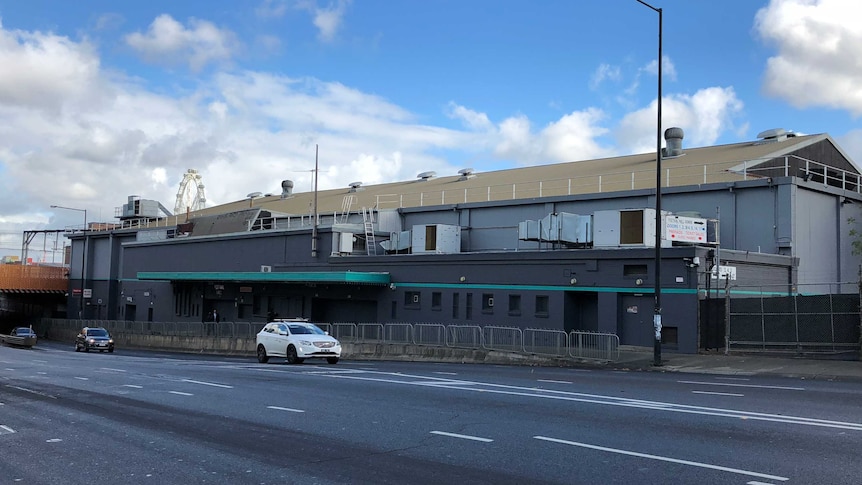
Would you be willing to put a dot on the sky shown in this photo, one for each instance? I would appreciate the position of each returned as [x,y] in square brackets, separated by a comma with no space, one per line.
[101,100]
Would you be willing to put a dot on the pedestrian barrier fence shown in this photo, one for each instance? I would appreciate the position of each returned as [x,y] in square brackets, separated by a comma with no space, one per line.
[534,341]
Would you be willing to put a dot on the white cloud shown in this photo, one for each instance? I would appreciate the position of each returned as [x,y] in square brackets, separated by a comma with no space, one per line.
[819,59]
[271,8]
[329,19]
[668,69]
[604,72]
[45,71]
[472,119]
[851,143]
[169,42]
[704,116]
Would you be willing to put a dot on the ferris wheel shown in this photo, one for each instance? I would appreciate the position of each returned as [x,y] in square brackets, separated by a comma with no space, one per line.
[191,195]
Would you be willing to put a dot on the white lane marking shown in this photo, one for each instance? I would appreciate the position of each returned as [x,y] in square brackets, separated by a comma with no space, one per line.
[42,373]
[757,483]
[553,381]
[181,393]
[31,391]
[40,361]
[733,378]
[53,440]
[609,401]
[7,429]
[446,373]
[784,388]
[82,378]
[664,458]
[718,393]
[133,385]
[112,369]
[279,408]
[10,370]
[207,383]
[462,436]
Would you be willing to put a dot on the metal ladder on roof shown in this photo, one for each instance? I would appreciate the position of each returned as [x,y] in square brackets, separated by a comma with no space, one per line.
[368,222]
[346,204]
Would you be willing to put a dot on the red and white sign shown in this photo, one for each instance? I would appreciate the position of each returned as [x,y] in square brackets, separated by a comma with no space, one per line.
[685,229]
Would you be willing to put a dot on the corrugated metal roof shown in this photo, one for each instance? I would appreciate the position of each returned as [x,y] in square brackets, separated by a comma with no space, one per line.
[696,166]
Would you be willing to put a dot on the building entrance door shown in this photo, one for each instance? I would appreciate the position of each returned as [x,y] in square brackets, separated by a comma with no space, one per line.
[635,320]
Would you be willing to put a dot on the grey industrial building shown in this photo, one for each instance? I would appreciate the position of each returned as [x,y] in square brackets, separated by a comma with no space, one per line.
[567,246]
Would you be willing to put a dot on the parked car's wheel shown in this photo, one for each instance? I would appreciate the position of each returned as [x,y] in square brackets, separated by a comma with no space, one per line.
[77,347]
[86,348]
[261,354]
[111,350]
[292,358]
[332,360]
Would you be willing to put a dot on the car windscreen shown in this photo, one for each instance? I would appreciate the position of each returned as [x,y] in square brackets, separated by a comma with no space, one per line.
[97,332]
[306,330]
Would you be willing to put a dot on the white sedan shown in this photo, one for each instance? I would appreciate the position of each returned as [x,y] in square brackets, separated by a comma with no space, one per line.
[296,341]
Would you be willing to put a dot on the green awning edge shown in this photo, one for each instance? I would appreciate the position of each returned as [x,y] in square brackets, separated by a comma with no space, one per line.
[284,277]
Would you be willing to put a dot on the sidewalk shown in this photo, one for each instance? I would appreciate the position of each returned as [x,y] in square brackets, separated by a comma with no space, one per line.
[740,364]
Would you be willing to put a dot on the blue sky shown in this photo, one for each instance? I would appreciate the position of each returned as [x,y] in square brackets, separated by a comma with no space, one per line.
[102,99]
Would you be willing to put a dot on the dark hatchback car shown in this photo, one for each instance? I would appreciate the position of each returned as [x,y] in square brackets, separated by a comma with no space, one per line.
[94,338]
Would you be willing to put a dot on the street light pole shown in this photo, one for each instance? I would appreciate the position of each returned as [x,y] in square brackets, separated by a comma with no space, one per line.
[83,258]
[658,225]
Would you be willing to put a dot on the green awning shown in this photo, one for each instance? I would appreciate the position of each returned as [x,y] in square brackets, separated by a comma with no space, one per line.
[357,277]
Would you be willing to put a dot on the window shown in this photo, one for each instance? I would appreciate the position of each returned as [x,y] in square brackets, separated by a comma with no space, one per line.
[670,336]
[455,304]
[514,305]
[436,300]
[393,313]
[469,307]
[412,299]
[541,305]
[634,270]
[487,303]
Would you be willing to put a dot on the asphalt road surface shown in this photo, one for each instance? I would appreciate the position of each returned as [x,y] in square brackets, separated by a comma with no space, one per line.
[149,417]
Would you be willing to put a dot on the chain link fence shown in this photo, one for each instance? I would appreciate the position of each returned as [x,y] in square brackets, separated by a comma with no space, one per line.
[817,318]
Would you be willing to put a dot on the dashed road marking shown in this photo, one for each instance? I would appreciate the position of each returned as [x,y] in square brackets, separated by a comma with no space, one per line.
[279,408]
[757,386]
[133,386]
[463,436]
[731,394]
[7,429]
[664,458]
[553,381]
[213,384]
[181,393]
[82,378]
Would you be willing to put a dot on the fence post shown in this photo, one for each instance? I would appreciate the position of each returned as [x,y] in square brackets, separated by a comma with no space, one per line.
[726,315]
[860,311]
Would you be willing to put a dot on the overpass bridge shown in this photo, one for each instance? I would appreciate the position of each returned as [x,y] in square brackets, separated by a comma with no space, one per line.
[29,293]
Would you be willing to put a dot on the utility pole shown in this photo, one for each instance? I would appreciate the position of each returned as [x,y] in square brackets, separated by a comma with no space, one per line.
[314,208]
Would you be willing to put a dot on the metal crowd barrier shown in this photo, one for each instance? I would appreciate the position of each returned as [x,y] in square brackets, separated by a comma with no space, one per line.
[575,344]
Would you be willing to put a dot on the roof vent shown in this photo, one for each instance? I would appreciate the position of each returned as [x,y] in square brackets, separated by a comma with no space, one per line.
[286,188]
[775,134]
[426,175]
[466,173]
[673,137]
[355,186]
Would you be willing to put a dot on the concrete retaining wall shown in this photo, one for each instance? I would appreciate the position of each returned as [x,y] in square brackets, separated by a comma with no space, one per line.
[350,351]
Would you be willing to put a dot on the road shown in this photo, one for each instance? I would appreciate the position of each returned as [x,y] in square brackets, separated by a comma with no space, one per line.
[150,417]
